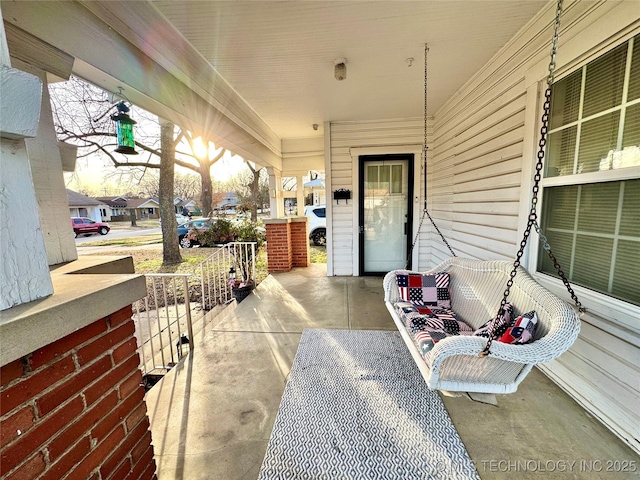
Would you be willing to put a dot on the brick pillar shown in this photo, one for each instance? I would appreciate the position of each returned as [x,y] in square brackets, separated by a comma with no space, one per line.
[279,254]
[300,241]
[76,407]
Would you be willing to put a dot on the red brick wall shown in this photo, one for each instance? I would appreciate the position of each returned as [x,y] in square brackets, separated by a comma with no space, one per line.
[279,255]
[299,244]
[76,406]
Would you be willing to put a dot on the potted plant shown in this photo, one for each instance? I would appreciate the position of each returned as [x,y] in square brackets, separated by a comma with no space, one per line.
[241,273]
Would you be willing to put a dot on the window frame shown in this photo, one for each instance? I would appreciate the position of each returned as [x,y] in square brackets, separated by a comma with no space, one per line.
[607,312]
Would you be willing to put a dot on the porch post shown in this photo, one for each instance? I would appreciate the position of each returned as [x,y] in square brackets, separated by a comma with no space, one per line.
[25,273]
[300,195]
[275,193]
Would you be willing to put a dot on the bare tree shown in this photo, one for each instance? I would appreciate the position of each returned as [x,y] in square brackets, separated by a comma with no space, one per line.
[252,188]
[82,116]
[170,247]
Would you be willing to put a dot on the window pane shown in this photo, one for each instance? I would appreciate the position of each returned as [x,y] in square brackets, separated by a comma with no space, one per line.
[565,100]
[396,172]
[561,152]
[634,79]
[592,262]
[598,205]
[372,177]
[630,218]
[630,155]
[561,245]
[604,82]
[385,179]
[626,276]
[598,141]
[560,207]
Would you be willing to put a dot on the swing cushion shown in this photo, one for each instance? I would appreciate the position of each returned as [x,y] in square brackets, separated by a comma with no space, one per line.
[522,330]
[427,327]
[503,323]
[424,290]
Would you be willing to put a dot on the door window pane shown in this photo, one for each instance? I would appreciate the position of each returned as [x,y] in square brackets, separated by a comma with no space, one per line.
[396,175]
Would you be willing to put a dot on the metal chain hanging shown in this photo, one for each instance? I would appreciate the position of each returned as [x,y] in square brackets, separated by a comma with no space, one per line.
[533,216]
[425,212]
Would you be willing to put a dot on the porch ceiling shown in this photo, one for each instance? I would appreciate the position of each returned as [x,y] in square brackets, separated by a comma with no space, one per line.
[279,55]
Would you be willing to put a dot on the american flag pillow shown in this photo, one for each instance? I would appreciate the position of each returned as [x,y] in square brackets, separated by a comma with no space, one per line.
[425,290]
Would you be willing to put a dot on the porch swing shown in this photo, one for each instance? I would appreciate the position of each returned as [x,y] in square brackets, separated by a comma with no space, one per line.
[445,315]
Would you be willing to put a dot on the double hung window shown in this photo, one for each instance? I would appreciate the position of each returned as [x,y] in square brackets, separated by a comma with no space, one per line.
[591,182]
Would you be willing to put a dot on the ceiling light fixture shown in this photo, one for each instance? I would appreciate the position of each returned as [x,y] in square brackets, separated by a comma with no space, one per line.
[340,68]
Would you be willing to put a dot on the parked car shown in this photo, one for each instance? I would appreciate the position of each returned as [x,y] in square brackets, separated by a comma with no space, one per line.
[185,228]
[317,223]
[179,219]
[83,225]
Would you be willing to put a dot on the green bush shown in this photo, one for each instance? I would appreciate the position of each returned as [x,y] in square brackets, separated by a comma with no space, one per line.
[220,231]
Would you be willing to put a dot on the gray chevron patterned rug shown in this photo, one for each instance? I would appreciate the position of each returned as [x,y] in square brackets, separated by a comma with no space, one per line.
[356,407]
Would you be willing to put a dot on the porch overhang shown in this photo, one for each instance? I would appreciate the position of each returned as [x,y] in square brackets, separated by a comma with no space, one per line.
[158,69]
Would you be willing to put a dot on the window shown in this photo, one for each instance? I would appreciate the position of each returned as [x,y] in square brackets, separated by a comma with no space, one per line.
[320,212]
[591,185]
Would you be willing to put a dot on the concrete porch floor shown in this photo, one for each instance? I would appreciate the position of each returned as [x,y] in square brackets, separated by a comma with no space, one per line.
[211,416]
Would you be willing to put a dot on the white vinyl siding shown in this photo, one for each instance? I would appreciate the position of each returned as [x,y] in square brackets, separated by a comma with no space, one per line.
[344,137]
[480,174]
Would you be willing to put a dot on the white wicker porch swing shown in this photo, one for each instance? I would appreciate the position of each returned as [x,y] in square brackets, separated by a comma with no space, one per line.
[477,364]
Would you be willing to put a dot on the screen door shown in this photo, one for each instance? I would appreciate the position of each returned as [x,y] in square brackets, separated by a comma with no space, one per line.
[385,212]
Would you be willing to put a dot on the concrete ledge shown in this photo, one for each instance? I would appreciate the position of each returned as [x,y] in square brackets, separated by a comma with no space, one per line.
[84,291]
[272,221]
[284,220]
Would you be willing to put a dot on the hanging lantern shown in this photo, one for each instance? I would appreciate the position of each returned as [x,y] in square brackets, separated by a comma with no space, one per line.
[183,346]
[124,127]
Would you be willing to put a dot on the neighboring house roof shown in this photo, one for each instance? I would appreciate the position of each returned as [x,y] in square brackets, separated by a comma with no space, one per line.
[318,182]
[142,203]
[114,202]
[186,203]
[229,199]
[79,200]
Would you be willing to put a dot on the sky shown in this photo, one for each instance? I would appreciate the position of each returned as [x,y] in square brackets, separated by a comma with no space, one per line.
[95,174]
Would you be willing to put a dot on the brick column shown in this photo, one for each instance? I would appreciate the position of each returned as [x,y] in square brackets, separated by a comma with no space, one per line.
[279,253]
[300,241]
[75,406]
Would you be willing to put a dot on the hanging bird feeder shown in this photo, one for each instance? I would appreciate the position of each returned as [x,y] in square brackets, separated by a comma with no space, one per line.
[124,128]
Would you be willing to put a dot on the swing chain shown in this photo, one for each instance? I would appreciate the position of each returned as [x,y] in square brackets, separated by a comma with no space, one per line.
[425,211]
[532,221]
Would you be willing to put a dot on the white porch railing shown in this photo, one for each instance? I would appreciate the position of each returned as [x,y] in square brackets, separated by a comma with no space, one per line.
[163,322]
[214,272]
[165,318]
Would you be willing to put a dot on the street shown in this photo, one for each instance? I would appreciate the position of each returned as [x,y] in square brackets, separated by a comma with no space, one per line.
[116,235]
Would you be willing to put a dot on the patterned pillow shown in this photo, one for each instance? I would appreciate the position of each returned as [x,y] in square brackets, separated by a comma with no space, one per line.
[425,290]
[522,331]
[504,322]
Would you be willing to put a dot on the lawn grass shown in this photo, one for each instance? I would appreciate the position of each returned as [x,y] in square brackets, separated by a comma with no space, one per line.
[150,260]
[126,242]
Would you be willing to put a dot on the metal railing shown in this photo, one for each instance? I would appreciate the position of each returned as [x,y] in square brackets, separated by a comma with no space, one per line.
[215,272]
[165,318]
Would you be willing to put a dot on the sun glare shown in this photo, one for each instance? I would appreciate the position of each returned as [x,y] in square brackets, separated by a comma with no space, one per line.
[200,150]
